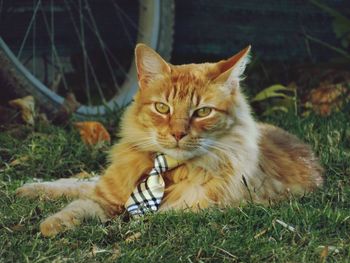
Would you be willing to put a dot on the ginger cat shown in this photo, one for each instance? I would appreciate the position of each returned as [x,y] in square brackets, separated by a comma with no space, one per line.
[195,113]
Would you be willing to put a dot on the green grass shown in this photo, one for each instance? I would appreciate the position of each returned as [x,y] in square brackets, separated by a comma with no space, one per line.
[247,234]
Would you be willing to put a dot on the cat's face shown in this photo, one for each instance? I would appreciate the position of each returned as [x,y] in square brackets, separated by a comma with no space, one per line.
[184,109]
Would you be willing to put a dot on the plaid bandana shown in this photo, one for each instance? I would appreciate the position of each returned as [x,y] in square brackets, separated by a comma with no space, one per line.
[148,195]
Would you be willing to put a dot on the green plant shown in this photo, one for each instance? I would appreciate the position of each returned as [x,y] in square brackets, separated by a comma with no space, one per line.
[277,98]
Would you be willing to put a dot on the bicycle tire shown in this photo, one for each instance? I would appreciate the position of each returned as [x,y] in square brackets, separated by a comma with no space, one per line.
[14,76]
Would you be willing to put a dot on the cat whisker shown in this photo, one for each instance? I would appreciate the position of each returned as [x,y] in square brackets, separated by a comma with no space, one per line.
[217,148]
[219,158]
[222,145]
[209,152]
[141,143]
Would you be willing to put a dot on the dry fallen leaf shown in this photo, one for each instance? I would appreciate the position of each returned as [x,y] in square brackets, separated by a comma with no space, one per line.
[324,253]
[323,250]
[27,107]
[133,237]
[17,227]
[116,253]
[92,132]
[19,160]
[96,250]
[328,98]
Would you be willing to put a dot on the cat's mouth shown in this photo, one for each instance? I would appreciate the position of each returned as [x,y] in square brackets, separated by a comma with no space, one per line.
[183,149]
[178,146]
[180,150]
[178,153]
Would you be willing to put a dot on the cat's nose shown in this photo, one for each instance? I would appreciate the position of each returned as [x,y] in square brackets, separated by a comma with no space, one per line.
[179,135]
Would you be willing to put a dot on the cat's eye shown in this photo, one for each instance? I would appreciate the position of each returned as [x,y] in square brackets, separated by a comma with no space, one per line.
[202,112]
[162,108]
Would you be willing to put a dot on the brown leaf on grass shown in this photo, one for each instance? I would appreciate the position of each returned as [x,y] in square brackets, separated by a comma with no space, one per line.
[27,107]
[326,250]
[19,160]
[133,237]
[93,132]
[324,253]
[17,227]
[96,250]
[328,98]
[116,252]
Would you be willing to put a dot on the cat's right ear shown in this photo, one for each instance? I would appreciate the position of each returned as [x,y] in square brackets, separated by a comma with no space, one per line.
[149,64]
[229,72]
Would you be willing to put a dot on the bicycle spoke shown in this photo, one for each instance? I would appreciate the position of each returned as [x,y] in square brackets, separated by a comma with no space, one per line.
[131,42]
[89,54]
[54,50]
[125,15]
[93,73]
[53,39]
[102,44]
[110,53]
[86,71]
[33,45]
[26,61]
[28,29]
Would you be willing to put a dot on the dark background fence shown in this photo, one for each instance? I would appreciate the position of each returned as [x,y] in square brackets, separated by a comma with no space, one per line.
[210,30]
[277,29]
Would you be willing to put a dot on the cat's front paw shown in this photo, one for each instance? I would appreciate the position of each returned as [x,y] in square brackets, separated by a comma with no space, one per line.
[51,226]
[55,224]
[29,190]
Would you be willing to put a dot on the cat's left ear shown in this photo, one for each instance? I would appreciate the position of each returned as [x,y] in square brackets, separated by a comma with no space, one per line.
[229,72]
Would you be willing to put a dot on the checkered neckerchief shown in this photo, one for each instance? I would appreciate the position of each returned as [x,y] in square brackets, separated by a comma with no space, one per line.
[148,195]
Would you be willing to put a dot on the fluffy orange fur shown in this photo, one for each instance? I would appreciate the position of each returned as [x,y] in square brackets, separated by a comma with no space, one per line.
[228,157]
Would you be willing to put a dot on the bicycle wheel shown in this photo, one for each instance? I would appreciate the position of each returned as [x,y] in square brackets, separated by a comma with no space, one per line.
[51,48]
